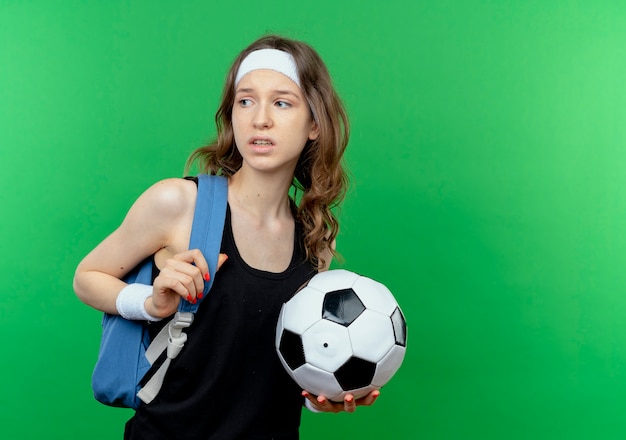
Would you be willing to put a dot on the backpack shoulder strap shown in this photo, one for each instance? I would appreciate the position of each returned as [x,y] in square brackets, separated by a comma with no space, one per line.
[206,235]
[208,225]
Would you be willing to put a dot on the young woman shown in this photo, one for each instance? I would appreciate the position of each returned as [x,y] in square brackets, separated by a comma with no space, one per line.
[280,125]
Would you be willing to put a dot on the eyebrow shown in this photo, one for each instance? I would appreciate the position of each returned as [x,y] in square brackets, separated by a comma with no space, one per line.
[274,92]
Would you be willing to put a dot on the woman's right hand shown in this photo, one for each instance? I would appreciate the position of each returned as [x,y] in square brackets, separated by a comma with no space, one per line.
[182,276]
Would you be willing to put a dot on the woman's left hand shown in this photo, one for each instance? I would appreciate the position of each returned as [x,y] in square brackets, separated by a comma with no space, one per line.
[349,404]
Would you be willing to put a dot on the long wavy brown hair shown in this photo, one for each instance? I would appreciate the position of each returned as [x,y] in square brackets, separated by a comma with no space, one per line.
[319,176]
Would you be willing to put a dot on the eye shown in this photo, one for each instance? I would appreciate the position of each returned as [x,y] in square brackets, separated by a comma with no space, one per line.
[245,102]
[282,104]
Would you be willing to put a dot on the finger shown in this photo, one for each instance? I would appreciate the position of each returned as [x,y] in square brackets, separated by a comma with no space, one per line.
[196,258]
[310,397]
[369,399]
[206,276]
[312,400]
[187,274]
[165,286]
[221,259]
[349,403]
[323,403]
[326,405]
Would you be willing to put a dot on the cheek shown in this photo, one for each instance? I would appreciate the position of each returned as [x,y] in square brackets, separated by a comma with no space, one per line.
[234,119]
[300,126]
[236,127]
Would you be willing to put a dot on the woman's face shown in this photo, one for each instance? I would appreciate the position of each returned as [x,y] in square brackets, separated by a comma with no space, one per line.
[271,121]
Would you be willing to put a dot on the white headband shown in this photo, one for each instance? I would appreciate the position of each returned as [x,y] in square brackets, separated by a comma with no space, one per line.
[270,59]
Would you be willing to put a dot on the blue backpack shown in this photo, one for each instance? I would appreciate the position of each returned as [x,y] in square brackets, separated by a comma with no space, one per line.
[126,351]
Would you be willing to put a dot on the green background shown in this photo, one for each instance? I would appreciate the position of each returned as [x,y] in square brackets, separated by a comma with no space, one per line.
[489,193]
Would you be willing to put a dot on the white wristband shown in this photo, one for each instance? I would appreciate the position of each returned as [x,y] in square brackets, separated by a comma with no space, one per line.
[130,302]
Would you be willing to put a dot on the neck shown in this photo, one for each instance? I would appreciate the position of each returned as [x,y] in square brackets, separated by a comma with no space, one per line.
[263,194]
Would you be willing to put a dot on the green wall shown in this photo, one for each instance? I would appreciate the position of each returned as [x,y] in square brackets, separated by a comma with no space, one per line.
[488,158]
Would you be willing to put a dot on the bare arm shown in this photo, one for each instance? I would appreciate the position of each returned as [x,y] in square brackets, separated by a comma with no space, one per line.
[159,219]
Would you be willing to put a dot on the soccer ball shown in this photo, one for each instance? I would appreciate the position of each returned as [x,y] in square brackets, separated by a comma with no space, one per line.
[341,333]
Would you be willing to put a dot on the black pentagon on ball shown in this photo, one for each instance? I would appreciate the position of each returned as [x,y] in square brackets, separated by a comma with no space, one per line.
[342,306]
[291,349]
[399,326]
[355,373]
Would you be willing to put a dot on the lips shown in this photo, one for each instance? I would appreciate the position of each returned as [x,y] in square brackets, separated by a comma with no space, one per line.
[261,141]
[261,144]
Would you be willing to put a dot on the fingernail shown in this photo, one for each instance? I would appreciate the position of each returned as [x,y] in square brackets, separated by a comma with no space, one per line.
[207,277]
[200,295]
[349,399]
[189,297]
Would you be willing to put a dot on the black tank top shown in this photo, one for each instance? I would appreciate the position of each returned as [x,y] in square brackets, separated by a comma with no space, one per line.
[228,383]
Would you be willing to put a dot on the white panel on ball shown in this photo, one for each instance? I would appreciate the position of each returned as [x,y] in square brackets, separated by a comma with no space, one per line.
[279,329]
[375,295]
[371,335]
[331,280]
[387,367]
[327,345]
[357,394]
[316,381]
[303,310]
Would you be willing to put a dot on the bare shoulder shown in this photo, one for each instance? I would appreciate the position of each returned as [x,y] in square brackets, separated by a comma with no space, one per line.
[169,197]
[162,213]
[160,218]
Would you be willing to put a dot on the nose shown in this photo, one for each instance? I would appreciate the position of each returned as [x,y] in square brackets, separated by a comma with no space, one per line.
[262,117]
